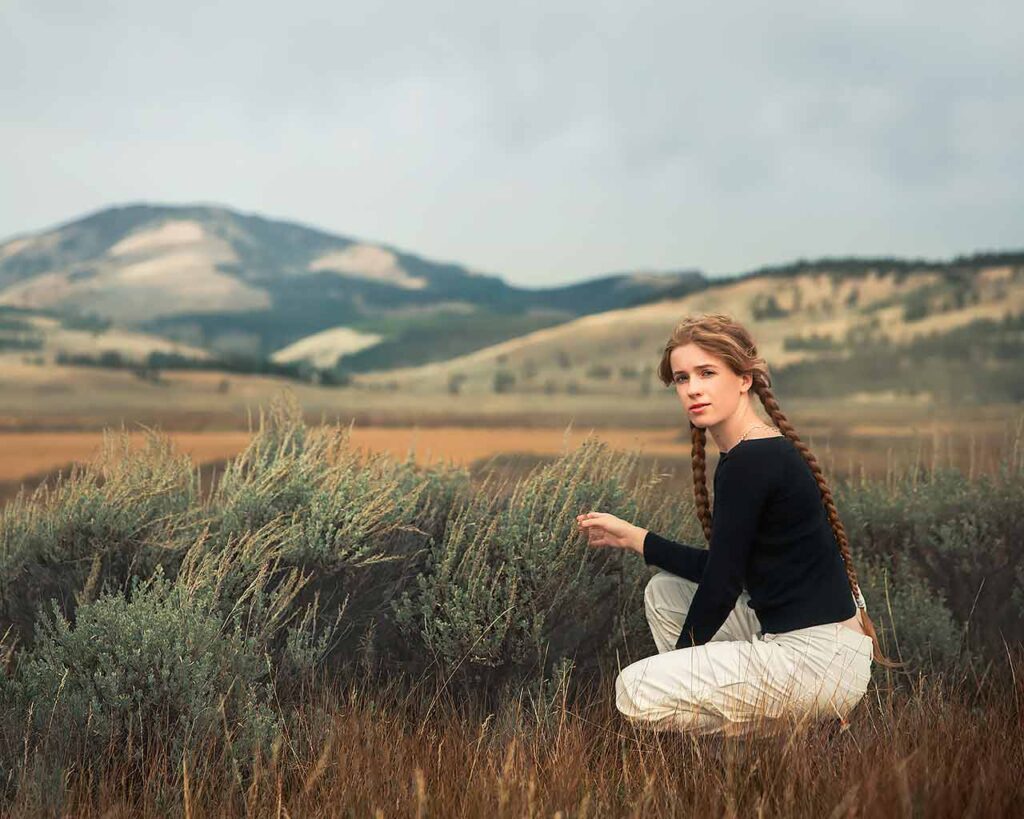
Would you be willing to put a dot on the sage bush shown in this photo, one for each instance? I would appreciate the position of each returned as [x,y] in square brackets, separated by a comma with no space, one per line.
[958,541]
[356,523]
[129,509]
[512,588]
[914,624]
[183,661]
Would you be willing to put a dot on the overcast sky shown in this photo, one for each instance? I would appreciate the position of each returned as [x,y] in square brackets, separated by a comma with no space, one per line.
[542,141]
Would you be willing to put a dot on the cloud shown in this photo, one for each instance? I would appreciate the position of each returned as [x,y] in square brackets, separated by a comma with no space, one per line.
[544,142]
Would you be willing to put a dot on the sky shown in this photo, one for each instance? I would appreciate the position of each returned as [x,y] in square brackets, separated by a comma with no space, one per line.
[545,142]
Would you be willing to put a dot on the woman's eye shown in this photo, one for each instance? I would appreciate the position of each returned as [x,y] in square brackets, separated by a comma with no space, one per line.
[681,378]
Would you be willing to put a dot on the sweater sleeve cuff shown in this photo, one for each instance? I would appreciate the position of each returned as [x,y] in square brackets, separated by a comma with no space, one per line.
[655,548]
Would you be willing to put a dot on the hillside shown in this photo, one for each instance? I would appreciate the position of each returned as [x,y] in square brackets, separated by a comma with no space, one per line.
[41,337]
[242,285]
[953,330]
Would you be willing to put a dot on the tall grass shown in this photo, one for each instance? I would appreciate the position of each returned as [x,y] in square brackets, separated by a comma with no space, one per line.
[943,747]
[327,632]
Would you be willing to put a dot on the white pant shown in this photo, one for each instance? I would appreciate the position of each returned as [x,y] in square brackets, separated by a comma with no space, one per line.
[741,680]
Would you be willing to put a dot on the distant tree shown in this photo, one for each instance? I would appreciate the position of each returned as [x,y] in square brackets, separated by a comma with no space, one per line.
[600,371]
[563,360]
[916,306]
[504,381]
[336,376]
[150,375]
[455,382]
[767,307]
[111,358]
[812,342]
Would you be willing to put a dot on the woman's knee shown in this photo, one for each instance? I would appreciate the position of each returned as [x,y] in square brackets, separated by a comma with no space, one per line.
[643,702]
[626,693]
[623,700]
[666,590]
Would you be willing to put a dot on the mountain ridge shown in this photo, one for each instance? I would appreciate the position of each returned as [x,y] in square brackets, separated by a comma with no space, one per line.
[241,285]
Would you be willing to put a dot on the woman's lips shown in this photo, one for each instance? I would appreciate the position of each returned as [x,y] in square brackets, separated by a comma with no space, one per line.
[699,408]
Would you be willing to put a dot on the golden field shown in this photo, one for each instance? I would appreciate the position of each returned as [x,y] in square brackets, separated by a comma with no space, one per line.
[46,426]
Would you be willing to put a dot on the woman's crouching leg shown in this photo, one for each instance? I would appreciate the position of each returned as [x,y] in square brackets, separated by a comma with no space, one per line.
[662,696]
[667,599]
[720,687]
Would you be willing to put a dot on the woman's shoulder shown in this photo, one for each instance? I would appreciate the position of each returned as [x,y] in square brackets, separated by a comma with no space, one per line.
[756,460]
[757,449]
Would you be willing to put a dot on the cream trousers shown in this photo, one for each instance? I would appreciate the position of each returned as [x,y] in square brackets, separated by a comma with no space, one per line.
[741,681]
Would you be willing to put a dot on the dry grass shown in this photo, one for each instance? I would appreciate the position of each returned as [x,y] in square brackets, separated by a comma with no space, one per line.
[936,748]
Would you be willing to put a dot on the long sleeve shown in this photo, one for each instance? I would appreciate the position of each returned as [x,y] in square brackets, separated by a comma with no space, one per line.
[742,487]
[678,558]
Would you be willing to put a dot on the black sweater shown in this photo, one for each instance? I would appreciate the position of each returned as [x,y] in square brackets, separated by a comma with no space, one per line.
[769,534]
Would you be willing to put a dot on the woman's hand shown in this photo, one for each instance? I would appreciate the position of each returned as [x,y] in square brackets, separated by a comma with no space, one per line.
[603,529]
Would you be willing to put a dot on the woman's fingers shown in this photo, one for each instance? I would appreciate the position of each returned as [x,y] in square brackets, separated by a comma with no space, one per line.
[594,525]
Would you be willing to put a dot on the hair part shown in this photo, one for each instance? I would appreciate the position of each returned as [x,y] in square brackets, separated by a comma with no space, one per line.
[725,337]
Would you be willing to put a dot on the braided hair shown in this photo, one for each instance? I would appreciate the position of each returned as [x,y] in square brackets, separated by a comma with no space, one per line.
[722,335]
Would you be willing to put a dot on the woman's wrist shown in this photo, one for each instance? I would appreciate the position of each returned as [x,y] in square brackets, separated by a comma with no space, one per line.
[636,540]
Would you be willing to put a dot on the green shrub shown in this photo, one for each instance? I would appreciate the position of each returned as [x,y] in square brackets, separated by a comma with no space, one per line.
[130,509]
[913,623]
[339,504]
[512,587]
[358,524]
[191,660]
[764,307]
[963,538]
[161,664]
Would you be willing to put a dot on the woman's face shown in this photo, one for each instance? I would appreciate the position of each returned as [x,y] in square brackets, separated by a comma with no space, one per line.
[708,389]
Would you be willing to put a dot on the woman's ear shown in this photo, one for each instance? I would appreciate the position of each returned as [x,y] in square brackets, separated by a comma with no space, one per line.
[745,381]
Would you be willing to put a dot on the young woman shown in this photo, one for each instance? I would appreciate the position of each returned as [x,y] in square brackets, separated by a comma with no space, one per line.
[768,621]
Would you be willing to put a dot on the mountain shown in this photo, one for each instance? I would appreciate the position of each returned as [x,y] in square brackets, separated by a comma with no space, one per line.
[183,283]
[243,285]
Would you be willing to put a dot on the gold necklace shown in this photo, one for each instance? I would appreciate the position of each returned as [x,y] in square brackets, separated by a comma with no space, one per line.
[751,429]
